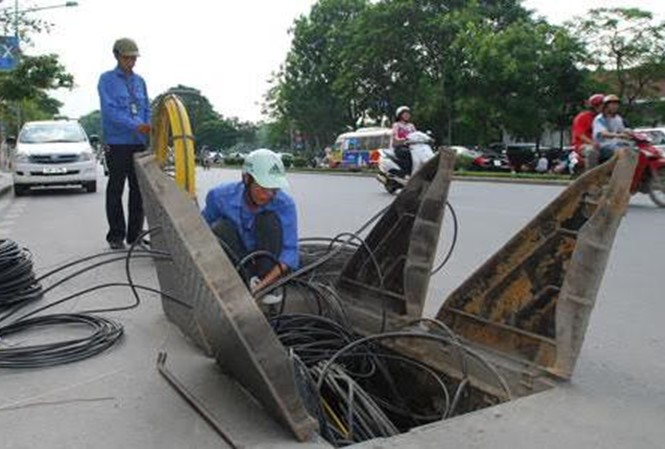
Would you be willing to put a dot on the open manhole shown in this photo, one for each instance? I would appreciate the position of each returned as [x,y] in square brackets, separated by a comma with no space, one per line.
[347,353]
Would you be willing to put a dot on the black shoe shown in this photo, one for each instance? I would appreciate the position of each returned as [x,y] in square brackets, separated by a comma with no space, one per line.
[116,244]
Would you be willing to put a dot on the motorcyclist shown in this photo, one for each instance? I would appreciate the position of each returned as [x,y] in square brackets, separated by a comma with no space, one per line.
[401,130]
[582,130]
[609,130]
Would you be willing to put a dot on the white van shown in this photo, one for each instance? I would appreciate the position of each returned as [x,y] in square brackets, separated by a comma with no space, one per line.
[53,153]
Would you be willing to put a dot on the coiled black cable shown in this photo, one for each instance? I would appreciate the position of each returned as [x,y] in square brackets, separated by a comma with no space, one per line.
[103,333]
[18,284]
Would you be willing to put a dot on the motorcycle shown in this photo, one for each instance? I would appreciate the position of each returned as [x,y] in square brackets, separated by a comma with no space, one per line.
[649,177]
[391,173]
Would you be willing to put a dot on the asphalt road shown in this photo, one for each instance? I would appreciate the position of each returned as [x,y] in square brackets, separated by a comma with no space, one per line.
[616,399]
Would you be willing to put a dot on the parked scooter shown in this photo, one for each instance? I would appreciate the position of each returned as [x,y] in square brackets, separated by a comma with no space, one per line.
[391,174]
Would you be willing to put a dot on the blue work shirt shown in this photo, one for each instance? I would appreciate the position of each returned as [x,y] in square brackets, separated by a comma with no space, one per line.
[228,201]
[124,105]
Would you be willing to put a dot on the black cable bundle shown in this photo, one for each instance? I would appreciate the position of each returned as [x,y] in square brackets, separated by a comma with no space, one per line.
[103,333]
[18,283]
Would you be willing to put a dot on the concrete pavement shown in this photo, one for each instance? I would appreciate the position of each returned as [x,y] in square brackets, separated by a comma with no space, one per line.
[616,399]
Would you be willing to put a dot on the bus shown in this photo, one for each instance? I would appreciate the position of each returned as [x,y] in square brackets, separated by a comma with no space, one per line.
[359,148]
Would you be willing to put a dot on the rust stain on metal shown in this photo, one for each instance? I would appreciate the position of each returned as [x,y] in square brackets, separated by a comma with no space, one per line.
[526,289]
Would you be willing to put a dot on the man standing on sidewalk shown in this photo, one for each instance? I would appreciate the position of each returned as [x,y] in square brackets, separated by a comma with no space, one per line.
[125,109]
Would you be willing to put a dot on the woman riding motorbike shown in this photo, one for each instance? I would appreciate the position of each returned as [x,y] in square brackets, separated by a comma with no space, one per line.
[401,130]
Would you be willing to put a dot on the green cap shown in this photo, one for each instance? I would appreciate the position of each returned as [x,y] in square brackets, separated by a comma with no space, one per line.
[267,169]
[125,47]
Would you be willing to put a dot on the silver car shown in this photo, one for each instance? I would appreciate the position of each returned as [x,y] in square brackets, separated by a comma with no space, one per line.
[53,153]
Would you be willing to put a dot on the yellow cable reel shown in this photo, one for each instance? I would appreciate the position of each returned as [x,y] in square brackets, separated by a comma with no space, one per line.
[173,142]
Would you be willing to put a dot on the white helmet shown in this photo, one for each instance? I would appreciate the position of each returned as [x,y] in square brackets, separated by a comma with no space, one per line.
[401,110]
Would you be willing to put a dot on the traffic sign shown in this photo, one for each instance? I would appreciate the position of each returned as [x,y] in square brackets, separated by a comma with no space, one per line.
[9,50]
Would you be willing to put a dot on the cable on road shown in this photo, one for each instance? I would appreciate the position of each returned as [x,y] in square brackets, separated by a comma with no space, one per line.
[356,388]
[19,287]
[18,284]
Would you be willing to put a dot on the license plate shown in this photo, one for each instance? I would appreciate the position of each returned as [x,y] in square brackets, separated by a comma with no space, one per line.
[497,163]
[54,170]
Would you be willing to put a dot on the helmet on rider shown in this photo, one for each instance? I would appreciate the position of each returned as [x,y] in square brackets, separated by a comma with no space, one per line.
[401,110]
[596,100]
[611,99]
[266,168]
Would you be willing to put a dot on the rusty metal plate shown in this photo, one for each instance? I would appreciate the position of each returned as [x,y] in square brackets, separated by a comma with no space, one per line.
[404,243]
[224,319]
[532,299]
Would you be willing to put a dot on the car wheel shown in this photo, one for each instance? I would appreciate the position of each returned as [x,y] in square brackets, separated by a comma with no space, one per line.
[20,190]
[90,187]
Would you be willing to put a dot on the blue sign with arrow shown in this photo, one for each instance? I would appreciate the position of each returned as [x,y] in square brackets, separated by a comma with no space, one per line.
[9,51]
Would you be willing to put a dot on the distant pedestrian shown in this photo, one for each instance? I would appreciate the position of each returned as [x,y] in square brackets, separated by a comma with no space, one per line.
[543,165]
[125,109]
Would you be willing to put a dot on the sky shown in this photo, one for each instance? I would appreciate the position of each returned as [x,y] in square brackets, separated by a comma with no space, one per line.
[226,49]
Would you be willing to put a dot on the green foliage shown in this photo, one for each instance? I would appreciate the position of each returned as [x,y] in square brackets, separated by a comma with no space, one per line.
[300,162]
[626,49]
[210,128]
[216,133]
[27,25]
[92,123]
[303,90]
[198,106]
[470,69]
[24,91]
[233,160]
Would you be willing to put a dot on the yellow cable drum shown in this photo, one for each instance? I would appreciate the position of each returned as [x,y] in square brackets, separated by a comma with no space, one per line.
[173,142]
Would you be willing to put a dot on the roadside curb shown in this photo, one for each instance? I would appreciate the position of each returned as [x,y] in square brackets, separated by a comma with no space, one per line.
[486,179]
[534,182]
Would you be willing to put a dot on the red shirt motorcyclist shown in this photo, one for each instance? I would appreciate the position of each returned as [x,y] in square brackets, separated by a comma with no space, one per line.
[582,131]
[583,123]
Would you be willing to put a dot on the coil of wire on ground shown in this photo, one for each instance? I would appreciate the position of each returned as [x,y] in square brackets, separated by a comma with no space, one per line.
[18,283]
[101,333]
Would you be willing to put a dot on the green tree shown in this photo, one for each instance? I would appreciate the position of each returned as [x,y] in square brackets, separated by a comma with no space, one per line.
[28,85]
[198,106]
[24,91]
[216,133]
[92,123]
[521,78]
[626,49]
[304,90]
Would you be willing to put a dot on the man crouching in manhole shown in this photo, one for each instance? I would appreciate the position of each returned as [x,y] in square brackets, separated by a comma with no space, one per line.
[256,222]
